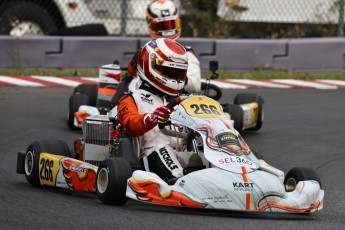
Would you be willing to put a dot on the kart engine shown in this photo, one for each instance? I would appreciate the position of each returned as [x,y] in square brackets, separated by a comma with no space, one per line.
[97,139]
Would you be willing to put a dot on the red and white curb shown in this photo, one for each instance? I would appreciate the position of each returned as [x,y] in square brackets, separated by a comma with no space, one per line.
[46,81]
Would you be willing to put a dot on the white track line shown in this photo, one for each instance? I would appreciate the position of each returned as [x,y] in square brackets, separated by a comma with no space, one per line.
[58,80]
[304,83]
[259,83]
[19,82]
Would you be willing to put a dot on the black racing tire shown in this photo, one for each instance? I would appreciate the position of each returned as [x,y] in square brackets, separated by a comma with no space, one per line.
[111,182]
[91,90]
[236,114]
[14,12]
[258,154]
[32,157]
[245,98]
[75,101]
[298,174]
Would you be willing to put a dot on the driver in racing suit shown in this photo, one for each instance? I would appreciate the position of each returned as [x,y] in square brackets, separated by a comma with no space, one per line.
[162,68]
[164,22]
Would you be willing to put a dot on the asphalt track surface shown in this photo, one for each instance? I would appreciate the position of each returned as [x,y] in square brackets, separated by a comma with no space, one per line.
[302,128]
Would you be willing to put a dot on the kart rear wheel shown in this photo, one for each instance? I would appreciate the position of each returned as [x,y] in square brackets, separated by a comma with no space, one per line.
[75,101]
[90,90]
[111,182]
[298,174]
[32,157]
[245,98]
[236,114]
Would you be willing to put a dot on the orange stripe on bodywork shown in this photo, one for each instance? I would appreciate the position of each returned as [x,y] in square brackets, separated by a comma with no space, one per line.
[107,91]
[244,174]
[248,201]
[248,195]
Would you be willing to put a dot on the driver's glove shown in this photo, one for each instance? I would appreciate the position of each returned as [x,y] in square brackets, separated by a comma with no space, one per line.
[160,115]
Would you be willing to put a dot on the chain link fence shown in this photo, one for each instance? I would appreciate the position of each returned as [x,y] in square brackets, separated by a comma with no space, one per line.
[200,18]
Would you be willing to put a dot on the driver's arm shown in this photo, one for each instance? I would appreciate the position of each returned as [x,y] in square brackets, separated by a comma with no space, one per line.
[138,124]
[131,119]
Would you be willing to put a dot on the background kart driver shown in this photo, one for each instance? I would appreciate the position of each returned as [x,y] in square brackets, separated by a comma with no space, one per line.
[164,22]
[162,68]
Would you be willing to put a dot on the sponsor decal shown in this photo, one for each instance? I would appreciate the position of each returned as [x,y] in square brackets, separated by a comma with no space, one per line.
[161,80]
[235,160]
[175,65]
[243,186]
[78,176]
[165,13]
[146,98]
[182,60]
[153,44]
[218,199]
[167,158]
[181,184]
[122,111]
[225,139]
[168,33]
[78,169]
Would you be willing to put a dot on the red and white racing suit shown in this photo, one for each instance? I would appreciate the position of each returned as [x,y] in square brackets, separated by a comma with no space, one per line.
[155,150]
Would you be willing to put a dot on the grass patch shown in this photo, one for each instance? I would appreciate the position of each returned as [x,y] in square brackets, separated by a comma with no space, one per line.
[50,72]
[278,74]
[253,74]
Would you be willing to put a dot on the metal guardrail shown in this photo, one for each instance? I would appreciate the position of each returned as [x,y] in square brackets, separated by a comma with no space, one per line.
[314,54]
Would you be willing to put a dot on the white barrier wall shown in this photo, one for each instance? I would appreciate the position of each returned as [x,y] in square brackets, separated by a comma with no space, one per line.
[319,54]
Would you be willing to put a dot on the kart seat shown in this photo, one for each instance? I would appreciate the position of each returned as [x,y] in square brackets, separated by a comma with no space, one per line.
[127,149]
[121,89]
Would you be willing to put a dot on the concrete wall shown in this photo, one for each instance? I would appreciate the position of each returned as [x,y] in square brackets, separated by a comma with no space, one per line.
[322,54]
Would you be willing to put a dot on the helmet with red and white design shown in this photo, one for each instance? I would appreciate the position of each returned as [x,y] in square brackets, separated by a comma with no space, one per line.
[163,64]
[163,19]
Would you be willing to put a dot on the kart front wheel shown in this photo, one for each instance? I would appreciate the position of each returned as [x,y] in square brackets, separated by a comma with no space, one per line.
[111,182]
[298,174]
[32,157]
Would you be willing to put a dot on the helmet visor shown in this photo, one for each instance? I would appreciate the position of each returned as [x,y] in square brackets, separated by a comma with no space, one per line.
[171,70]
[162,24]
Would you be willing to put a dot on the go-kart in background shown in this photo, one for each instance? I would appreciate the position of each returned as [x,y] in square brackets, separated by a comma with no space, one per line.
[302,127]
